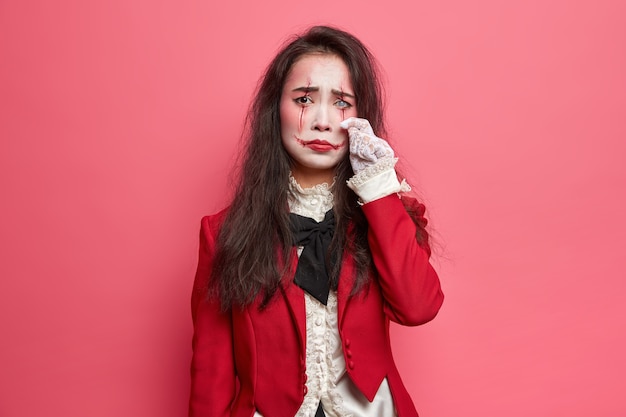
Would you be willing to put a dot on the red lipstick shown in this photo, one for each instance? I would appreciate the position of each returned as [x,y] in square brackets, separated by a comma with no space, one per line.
[319,145]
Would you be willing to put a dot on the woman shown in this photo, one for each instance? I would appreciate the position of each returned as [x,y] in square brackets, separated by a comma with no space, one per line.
[298,278]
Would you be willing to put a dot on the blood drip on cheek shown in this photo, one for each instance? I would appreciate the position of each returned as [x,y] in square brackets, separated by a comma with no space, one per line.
[300,125]
[300,122]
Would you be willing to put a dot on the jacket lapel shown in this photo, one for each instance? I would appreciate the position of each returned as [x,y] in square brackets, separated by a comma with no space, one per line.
[294,297]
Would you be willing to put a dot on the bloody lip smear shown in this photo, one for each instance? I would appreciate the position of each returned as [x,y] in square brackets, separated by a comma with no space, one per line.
[319,145]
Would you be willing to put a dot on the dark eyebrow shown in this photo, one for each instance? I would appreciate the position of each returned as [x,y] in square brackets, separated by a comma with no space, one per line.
[336,92]
[306,89]
[342,93]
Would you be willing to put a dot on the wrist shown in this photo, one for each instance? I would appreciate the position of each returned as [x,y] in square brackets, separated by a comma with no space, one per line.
[377,180]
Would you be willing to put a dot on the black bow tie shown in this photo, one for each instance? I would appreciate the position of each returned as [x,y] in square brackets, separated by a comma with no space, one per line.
[312,273]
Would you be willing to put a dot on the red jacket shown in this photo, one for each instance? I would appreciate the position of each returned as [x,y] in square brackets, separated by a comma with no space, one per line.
[247,360]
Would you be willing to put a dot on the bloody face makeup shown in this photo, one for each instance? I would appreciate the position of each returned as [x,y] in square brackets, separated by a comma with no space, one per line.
[316,97]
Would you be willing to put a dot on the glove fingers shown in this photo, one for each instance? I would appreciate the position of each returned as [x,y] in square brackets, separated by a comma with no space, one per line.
[365,147]
[382,149]
[369,148]
[354,123]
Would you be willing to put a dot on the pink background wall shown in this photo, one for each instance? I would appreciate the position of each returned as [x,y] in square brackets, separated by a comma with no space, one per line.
[118,122]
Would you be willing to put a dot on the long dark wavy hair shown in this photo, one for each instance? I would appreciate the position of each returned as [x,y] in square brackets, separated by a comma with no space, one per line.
[254,243]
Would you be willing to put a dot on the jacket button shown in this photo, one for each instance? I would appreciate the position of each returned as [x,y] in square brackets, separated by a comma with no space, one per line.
[351,365]
[306,377]
[305,390]
[348,343]
[349,353]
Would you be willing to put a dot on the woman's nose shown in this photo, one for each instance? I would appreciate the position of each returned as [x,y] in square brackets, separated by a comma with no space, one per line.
[322,121]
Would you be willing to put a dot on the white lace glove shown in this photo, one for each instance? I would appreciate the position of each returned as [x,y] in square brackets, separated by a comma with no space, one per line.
[372,161]
[365,147]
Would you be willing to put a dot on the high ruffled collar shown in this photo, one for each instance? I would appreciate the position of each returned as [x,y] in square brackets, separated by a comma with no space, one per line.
[311,202]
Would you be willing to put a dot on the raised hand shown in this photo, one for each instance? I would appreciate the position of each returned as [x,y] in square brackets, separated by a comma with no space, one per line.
[365,147]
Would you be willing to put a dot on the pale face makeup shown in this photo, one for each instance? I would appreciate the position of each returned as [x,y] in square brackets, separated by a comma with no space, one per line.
[316,97]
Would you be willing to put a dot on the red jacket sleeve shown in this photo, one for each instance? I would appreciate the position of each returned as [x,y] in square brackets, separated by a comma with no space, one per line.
[409,284]
[212,367]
